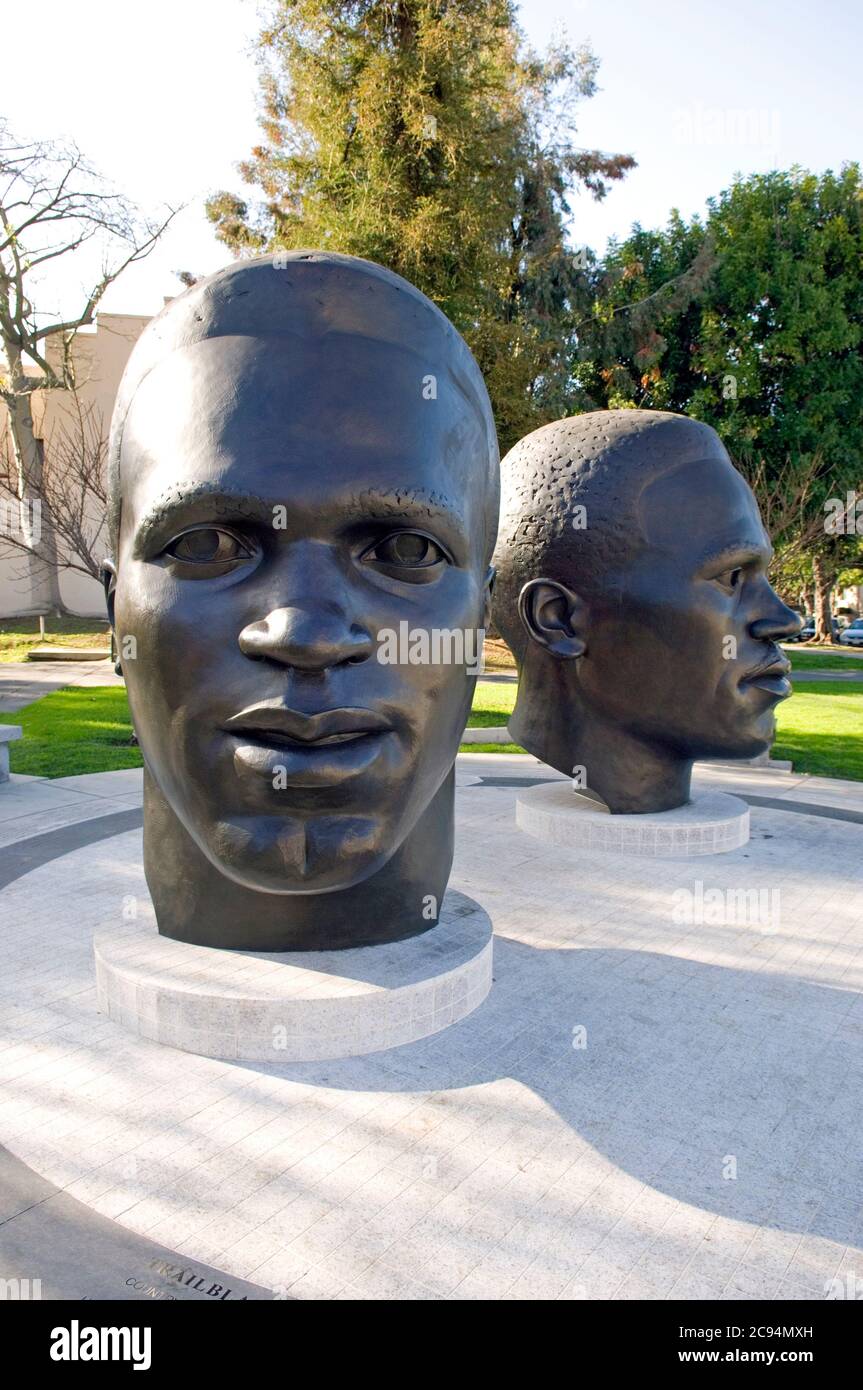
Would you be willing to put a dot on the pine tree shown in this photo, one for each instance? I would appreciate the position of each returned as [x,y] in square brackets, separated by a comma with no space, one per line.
[426,136]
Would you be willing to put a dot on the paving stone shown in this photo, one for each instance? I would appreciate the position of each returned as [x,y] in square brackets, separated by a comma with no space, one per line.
[497,1160]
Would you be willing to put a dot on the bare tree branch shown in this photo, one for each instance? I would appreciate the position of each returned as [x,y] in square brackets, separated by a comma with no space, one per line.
[51,204]
[73,491]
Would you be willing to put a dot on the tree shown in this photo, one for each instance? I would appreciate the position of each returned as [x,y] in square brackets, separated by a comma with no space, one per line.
[424,135]
[769,349]
[634,348]
[73,491]
[52,203]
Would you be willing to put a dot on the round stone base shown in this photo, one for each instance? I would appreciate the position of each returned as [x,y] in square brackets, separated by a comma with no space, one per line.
[712,823]
[295,1006]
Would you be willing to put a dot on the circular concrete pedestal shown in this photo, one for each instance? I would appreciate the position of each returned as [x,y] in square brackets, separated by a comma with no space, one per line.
[712,823]
[295,1006]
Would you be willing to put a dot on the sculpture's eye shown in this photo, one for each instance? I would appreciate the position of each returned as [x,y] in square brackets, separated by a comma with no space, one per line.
[730,579]
[207,545]
[406,550]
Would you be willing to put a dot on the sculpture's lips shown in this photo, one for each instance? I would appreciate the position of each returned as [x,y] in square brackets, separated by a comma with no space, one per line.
[771,676]
[278,725]
[307,751]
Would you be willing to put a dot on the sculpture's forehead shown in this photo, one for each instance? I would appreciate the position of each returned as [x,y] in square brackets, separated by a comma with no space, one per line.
[700,505]
[298,419]
[308,294]
[313,298]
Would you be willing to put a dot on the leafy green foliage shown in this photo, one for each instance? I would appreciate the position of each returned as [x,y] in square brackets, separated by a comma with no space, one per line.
[424,135]
[752,321]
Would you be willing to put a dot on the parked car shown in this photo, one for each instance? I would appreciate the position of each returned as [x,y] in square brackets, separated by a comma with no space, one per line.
[807,632]
[852,636]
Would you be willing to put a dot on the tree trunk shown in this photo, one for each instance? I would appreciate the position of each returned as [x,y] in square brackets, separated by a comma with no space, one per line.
[824,581]
[43,575]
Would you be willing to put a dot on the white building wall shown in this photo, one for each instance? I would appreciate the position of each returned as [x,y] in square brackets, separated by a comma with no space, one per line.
[101,355]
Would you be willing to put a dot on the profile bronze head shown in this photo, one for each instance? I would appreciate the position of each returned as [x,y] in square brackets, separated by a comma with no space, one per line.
[632,589]
[302,458]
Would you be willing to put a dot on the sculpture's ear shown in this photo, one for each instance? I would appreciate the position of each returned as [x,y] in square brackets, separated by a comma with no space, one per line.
[555,617]
[108,574]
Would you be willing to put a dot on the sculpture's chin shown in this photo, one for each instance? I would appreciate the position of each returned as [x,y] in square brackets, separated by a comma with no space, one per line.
[746,742]
[296,856]
[742,748]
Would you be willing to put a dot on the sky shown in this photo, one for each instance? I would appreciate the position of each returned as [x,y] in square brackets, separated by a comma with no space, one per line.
[162,99]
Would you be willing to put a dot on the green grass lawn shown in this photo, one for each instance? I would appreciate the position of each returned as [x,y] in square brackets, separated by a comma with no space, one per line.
[493,703]
[89,730]
[492,748]
[18,635]
[72,731]
[821,729]
[823,661]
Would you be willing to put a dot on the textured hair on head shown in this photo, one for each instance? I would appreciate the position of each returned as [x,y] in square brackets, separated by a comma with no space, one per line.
[602,461]
[309,294]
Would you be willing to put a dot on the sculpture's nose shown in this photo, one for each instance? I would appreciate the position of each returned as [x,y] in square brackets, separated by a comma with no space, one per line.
[310,637]
[776,620]
[309,626]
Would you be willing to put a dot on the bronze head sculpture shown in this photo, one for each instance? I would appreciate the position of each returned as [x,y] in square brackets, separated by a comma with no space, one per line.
[632,589]
[303,458]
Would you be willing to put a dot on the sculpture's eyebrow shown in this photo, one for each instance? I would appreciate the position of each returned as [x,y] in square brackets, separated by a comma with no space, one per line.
[202,502]
[416,502]
[742,549]
[198,502]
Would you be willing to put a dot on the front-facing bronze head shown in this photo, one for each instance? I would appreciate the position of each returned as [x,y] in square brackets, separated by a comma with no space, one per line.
[303,459]
[632,588]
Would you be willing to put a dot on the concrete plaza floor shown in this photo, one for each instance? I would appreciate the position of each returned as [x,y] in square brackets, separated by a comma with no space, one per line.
[648,1105]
